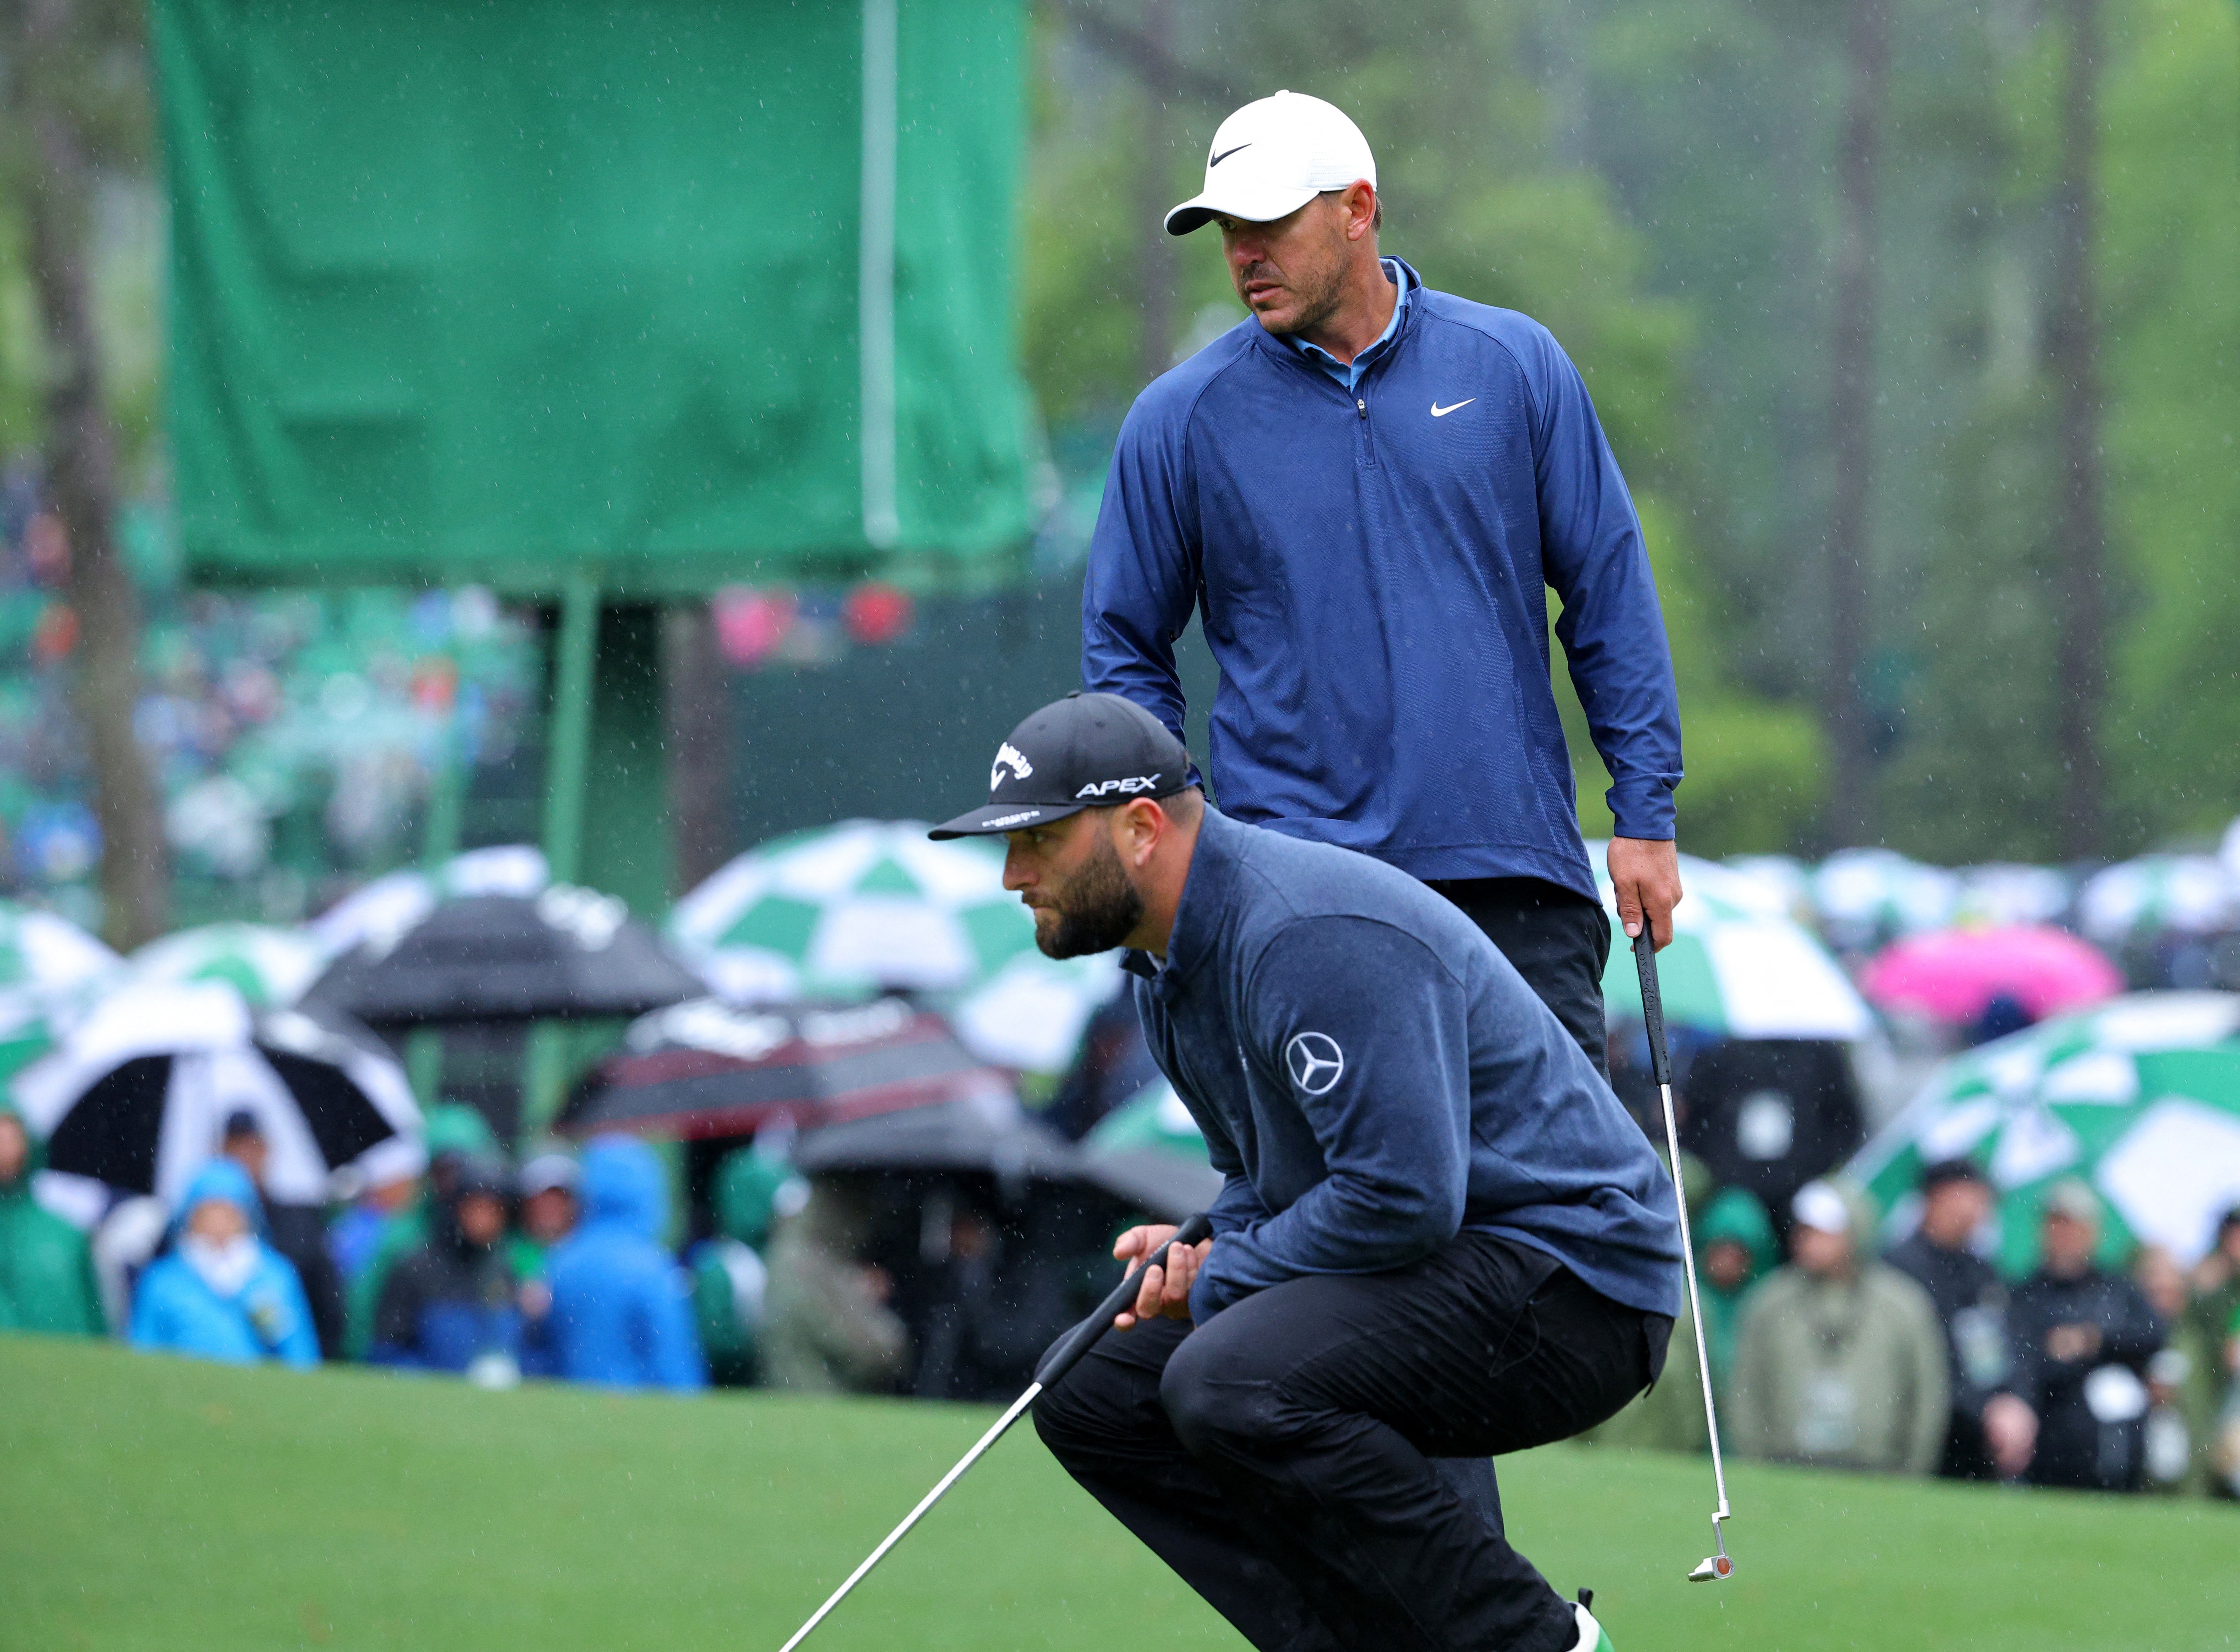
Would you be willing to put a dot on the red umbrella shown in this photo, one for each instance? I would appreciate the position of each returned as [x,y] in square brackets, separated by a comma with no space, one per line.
[704,1069]
[1953,974]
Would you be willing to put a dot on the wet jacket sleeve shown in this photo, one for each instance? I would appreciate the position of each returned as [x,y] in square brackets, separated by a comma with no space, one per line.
[1362,1029]
[1612,627]
[1143,569]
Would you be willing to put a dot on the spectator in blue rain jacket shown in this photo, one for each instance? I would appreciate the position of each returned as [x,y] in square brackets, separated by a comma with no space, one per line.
[219,1291]
[622,1308]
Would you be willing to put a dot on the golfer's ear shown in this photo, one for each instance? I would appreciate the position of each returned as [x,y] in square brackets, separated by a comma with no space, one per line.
[1140,825]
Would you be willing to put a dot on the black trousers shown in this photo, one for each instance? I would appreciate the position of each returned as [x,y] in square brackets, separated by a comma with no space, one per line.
[1280,1458]
[1558,939]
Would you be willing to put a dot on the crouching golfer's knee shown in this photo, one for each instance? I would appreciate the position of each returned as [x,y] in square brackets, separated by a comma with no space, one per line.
[1071,1428]
[1215,1408]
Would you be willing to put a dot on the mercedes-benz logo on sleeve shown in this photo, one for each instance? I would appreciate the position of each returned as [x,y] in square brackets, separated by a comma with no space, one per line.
[1315,1062]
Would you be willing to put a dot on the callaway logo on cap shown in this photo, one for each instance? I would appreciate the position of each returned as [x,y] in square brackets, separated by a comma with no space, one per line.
[1273,156]
[1084,751]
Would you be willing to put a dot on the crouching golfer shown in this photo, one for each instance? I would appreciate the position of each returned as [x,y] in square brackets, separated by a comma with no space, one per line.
[1441,1236]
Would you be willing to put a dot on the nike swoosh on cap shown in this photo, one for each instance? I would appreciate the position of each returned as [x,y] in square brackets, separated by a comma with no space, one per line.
[1224,156]
[1438,412]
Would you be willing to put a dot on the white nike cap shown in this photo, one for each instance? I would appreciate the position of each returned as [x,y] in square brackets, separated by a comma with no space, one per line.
[1273,156]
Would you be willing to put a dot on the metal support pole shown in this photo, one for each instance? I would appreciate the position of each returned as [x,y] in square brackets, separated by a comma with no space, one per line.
[568,742]
[439,841]
[567,766]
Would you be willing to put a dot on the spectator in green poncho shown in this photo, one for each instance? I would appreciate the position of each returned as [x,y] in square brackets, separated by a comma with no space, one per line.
[1735,1248]
[751,1189]
[451,1131]
[46,1267]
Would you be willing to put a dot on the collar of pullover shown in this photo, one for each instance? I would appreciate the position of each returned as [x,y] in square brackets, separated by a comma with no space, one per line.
[1198,914]
[1288,350]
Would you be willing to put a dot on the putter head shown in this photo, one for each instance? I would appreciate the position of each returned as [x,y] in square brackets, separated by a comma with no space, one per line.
[1716,1567]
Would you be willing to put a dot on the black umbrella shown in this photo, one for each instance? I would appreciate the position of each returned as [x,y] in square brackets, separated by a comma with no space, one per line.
[1769,1114]
[136,1094]
[1158,1182]
[564,954]
[700,1070]
[985,1132]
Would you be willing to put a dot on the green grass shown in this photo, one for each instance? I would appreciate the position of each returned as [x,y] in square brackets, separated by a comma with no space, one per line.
[160,1503]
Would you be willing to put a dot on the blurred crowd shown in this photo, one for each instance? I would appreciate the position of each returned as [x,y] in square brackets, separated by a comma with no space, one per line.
[559,1268]
[1926,1360]
[1921,1360]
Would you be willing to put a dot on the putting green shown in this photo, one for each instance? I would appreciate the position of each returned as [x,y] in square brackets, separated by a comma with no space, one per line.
[154,1503]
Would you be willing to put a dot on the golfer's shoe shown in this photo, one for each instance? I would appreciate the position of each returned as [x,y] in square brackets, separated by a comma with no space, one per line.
[1593,1636]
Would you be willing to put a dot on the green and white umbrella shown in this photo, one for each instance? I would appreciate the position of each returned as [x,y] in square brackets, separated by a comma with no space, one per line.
[859,907]
[1150,1151]
[270,967]
[2139,1095]
[41,953]
[1030,1016]
[1735,967]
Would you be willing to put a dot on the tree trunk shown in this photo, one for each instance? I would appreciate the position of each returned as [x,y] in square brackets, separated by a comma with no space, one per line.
[1850,422]
[2073,347]
[701,745]
[81,481]
[1155,258]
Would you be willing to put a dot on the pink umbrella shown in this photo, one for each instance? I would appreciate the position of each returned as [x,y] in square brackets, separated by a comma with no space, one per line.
[1953,973]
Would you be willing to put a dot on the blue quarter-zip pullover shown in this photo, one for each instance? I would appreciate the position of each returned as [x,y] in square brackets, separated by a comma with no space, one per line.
[1372,566]
[1373,1078]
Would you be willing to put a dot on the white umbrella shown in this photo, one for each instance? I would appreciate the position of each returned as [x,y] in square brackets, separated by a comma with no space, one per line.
[1999,895]
[1865,895]
[2188,894]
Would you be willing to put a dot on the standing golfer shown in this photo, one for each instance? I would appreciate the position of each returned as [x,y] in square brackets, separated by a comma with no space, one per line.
[1440,1234]
[1367,486]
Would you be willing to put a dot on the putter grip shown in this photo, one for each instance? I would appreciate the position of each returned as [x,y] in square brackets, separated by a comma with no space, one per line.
[1066,1352]
[1652,1004]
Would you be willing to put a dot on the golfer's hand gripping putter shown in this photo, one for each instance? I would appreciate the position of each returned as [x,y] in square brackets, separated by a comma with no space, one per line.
[1715,1565]
[1063,1356]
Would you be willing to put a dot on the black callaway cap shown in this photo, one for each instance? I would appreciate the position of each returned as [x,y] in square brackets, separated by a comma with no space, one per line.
[1080,752]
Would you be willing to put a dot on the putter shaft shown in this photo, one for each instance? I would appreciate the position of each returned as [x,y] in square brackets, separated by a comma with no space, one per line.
[1065,1354]
[915,1514]
[1716,1566]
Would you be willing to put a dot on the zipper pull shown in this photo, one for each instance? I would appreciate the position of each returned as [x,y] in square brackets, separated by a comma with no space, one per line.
[1363,405]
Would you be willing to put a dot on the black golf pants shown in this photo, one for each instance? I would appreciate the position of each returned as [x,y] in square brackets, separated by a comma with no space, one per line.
[1282,1459]
[1555,938]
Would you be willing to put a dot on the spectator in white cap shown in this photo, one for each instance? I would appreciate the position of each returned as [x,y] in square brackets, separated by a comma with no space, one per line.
[1840,1360]
[1366,487]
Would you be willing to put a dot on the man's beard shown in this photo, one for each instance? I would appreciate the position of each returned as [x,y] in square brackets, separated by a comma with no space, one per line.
[1100,909]
[1316,304]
